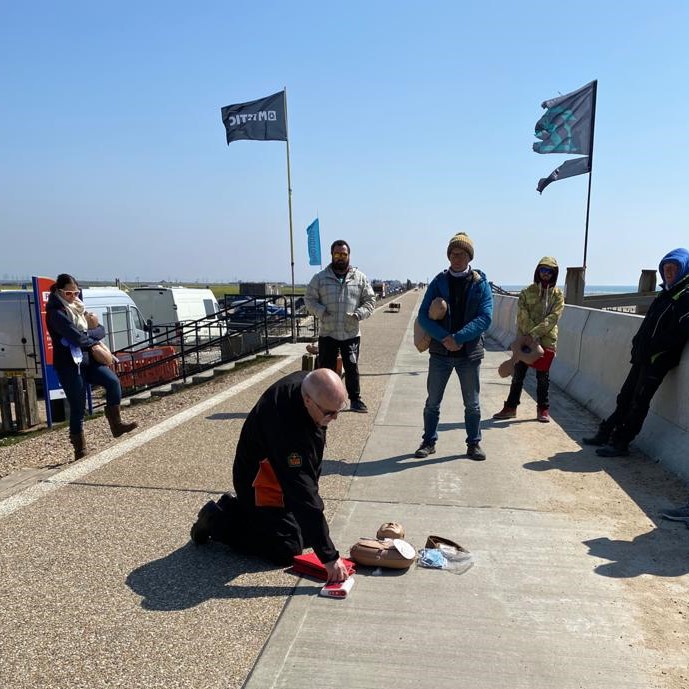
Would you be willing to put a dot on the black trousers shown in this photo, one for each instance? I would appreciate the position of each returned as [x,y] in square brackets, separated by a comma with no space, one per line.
[633,403]
[542,386]
[328,349]
[268,532]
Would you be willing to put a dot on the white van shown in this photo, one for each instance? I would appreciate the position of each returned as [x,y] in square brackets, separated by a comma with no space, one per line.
[118,314]
[168,306]
[19,345]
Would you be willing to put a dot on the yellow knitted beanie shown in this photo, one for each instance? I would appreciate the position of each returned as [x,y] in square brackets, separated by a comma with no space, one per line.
[461,241]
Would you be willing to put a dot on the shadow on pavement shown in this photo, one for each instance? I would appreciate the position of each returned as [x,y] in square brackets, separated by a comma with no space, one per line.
[192,575]
[658,552]
[387,465]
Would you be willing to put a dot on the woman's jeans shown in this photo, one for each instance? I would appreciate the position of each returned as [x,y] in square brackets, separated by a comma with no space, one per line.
[439,370]
[74,384]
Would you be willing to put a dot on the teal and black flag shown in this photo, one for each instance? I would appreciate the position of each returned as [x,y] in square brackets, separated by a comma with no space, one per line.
[261,120]
[313,238]
[567,125]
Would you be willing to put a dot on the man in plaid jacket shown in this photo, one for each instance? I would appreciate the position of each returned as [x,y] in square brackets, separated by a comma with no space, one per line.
[340,296]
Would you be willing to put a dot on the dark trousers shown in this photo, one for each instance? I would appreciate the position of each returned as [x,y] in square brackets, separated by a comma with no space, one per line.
[542,385]
[74,381]
[268,532]
[633,403]
[328,349]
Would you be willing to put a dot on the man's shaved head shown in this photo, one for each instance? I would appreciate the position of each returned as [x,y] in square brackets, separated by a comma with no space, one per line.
[326,389]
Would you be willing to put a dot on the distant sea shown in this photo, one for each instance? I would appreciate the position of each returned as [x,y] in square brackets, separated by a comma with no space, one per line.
[588,289]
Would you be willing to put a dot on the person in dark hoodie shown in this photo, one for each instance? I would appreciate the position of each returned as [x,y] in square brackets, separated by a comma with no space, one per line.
[456,343]
[656,349]
[538,311]
[74,332]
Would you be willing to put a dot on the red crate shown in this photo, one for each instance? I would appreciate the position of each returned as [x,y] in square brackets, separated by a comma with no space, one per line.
[137,369]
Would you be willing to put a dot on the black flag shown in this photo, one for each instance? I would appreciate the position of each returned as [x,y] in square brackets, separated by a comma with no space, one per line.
[262,120]
[570,168]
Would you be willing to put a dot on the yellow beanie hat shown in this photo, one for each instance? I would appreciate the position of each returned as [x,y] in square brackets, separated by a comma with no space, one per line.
[461,241]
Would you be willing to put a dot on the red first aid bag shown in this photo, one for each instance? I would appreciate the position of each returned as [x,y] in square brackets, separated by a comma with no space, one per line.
[310,565]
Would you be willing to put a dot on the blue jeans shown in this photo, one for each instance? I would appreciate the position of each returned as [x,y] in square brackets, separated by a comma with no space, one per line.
[439,369]
[74,384]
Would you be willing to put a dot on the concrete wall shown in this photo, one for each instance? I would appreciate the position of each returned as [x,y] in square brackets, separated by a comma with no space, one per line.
[591,364]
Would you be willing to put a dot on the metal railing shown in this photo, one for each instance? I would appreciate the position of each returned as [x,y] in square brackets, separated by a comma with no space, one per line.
[177,351]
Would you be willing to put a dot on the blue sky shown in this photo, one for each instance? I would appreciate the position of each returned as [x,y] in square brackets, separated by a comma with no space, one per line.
[408,122]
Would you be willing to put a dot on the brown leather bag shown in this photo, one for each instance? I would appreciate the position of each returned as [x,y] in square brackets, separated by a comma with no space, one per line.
[101,354]
[374,552]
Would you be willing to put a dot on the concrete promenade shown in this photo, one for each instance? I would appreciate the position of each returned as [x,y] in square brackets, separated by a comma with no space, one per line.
[576,581]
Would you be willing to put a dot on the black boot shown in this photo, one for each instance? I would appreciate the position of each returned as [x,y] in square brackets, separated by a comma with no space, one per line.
[79,443]
[602,436]
[613,450]
[112,414]
[205,524]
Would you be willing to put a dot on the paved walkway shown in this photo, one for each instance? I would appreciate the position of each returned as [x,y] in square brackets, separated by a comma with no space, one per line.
[576,583]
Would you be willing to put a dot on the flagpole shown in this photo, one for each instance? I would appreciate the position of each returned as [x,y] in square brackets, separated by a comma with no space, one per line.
[588,199]
[291,233]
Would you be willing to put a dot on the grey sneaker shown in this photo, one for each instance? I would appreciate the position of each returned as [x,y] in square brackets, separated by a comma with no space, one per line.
[475,452]
[680,514]
[425,450]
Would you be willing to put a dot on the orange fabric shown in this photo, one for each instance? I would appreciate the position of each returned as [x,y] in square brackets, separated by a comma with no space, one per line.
[267,490]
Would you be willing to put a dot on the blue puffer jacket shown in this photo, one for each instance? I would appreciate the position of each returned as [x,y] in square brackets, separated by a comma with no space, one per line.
[478,314]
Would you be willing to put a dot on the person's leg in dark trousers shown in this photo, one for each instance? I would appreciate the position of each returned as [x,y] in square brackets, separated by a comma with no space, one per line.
[542,389]
[350,361]
[622,404]
[271,533]
[74,387]
[98,374]
[328,349]
[629,426]
[75,390]
[518,375]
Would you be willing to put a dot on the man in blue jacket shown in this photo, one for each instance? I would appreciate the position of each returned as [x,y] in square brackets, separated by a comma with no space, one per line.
[457,342]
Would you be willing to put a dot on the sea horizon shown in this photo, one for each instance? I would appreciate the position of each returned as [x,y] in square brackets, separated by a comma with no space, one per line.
[588,289]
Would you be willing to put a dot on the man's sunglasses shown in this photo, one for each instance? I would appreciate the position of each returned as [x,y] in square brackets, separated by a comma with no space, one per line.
[340,254]
[546,270]
[327,414]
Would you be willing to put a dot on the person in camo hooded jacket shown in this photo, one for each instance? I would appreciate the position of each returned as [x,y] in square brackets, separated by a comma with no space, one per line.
[538,311]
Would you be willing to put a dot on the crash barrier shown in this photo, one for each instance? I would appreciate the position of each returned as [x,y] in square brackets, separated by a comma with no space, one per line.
[146,367]
[18,403]
[592,362]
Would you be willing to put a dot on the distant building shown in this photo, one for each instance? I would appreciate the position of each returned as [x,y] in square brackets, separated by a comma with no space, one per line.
[259,289]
